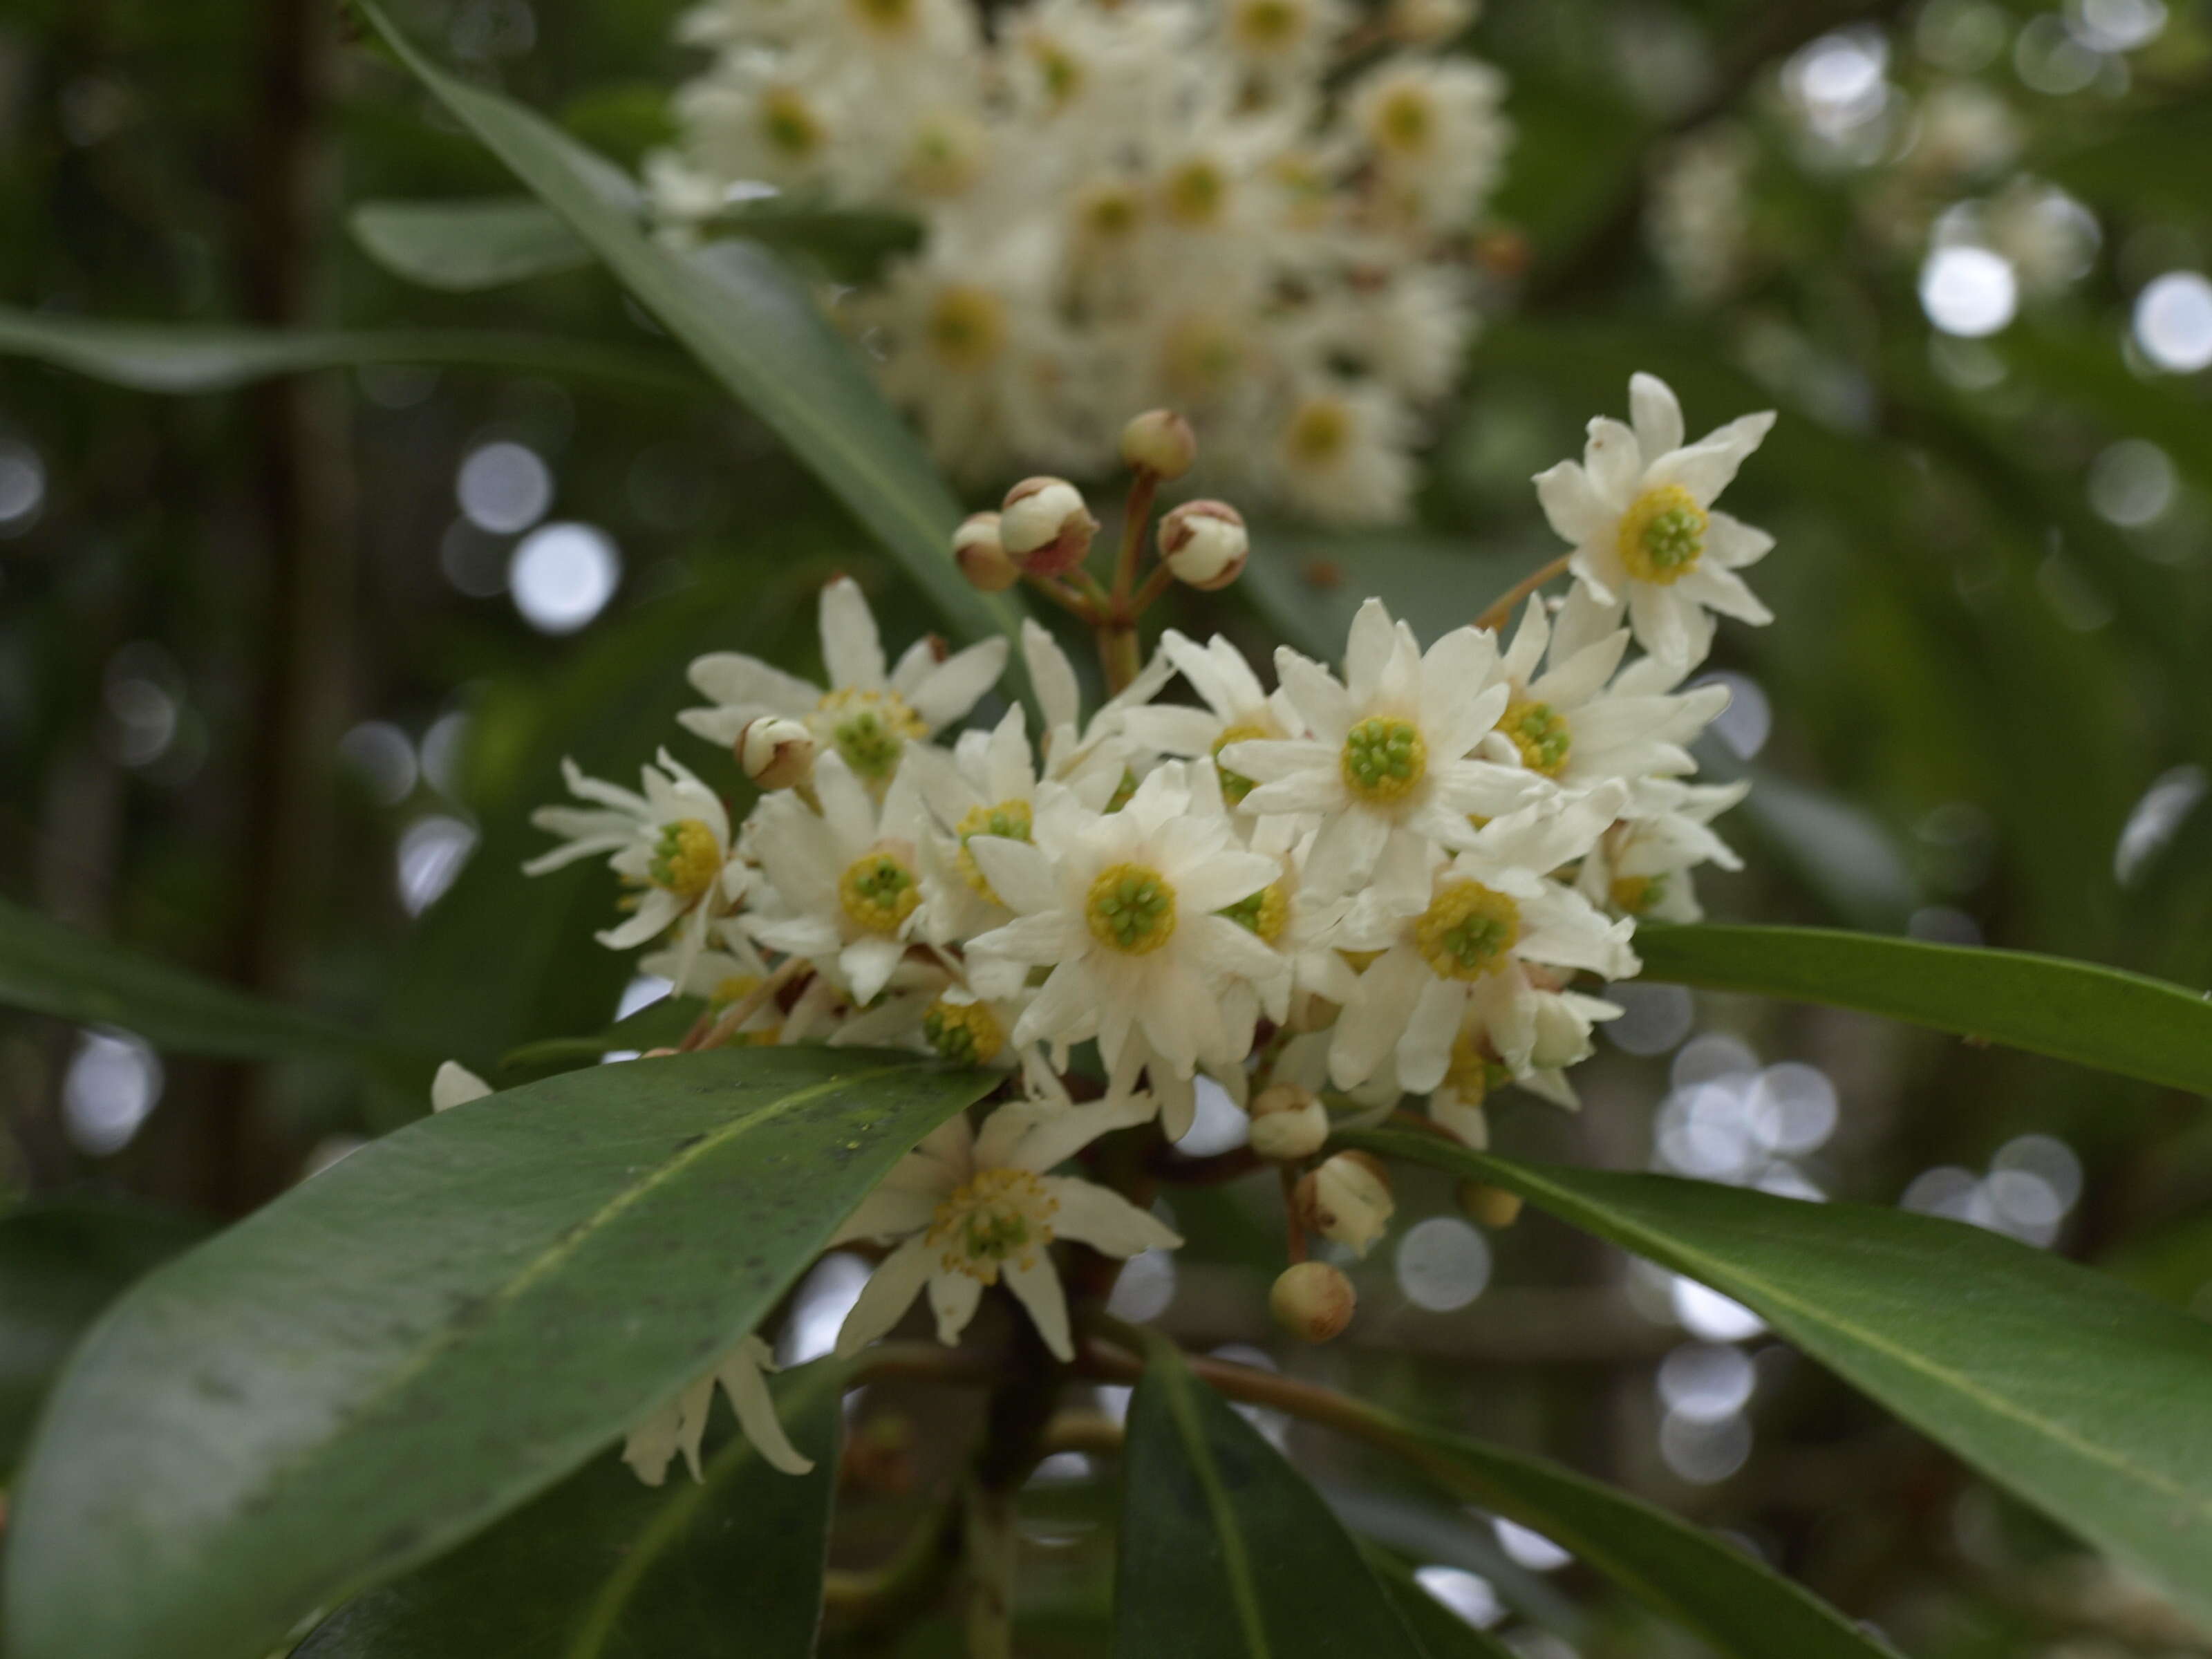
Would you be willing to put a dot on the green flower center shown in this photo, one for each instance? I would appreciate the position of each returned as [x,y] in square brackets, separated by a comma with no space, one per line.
[1010,819]
[1383,760]
[686,858]
[1663,535]
[878,892]
[1540,733]
[871,729]
[1131,909]
[790,123]
[1001,1216]
[1235,785]
[1467,931]
[1265,912]
[965,1033]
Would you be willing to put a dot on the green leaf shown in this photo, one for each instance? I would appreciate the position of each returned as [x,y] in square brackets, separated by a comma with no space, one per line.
[1712,1587]
[660,1025]
[1442,1633]
[2077,1011]
[63,1260]
[49,969]
[196,357]
[466,245]
[737,309]
[429,1332]
[1838,851]
[2079,1394]
[604,1565]
[1225,1548]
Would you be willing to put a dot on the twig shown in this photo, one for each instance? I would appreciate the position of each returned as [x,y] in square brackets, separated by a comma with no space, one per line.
[1501,608]
[745,1006]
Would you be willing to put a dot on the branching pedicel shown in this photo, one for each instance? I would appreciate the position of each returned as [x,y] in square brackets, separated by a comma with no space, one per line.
[1357,887]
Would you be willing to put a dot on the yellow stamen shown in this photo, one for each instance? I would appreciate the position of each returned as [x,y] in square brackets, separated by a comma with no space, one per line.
[1467,931]
[686,858]
[966,327]
[1235,785]
[1383,760]
[1010,819]
[871,729]
[999,1216]
[878,892]
[1540,733]
[1663,535]
[1265,912]
[966,1033]
[1131,909]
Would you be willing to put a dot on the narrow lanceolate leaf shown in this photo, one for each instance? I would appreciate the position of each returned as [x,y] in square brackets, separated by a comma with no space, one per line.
[2079,1394]
[1225,1552]
[428,1334]
[187,358]
[47,967]
[464,246]
[1440,1633]
[2077,1011]
[605,1567]
[734,307]
[1683,1572]
[62,1262]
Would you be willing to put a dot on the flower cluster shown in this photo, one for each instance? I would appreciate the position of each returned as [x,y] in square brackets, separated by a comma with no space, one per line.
[1403,874]
[1257,211]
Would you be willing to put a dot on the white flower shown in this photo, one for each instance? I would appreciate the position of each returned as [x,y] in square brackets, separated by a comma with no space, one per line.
[1639,509]
[721,976]
[456,1085]
[1123,907]
[1479,945]
[1573,722]
[968,1210]
[1434,133]
[1387,762]
[1344,454]
[848,878]
[1239,709]
[868,715]
[1641,867]
[680,1424]
[672,844]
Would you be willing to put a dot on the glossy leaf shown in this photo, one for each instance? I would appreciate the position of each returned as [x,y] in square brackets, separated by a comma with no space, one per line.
[187,358]
[604,1567]
[47,967]
[2077,1011]
[1440,1633]
[660,1025]
[464,246]
[1225,1548]
[62,1262]
[2079,1394]
[429,1332]
[737,309]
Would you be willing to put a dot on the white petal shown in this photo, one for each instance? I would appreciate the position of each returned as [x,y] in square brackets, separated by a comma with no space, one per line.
[1035,1283]
[888,1294]
[730,676]
[1020,874]
[851,649]
[1656,414]
[953,1297]
[1571,503]
[952,689]
[1705,468]
[1615,460]
[1732,544]
[1424,1050]
[756,1408]
[1052,675]
[1105,1220]
[454,1085]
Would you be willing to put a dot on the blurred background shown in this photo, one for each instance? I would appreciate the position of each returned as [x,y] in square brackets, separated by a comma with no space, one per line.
[283,668]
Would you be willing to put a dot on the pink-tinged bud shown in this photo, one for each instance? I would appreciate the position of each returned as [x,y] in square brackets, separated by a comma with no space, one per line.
[1346,1201]
[1204,543]
[1045,527]
[981,556]
[1312,1301]
[775,753]
[1288,1123]
[1159,442]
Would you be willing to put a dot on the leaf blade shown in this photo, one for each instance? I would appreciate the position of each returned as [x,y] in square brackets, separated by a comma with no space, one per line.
[1950,1328]
[184,359]
[2097,1016]
[466,246]
[604,1565]
[428,1334]
[47,967]
[1211,1513]
[739,312]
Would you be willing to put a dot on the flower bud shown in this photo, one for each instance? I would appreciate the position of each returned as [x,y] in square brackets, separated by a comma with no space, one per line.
[1160,442]
[1045,527]
[1312,1301]
[775,753]
[1288,1123]
[1563,1034]
[982,556]
[1427,22]
[1493,1207]
[656,1054]
[1204,543]
[1346,1201]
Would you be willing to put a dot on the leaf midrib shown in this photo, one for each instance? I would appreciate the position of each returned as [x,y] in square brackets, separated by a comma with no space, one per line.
[1237,1562]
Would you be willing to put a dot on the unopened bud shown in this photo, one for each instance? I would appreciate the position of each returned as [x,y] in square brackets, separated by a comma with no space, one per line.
[1045,527]
[1346,1201]
[1159,442]
[775,753]
[1312,1301]
[1493,1207]
[1428,22]
[982,556]
[1204,543]
[1562,1036]
[1288,1123]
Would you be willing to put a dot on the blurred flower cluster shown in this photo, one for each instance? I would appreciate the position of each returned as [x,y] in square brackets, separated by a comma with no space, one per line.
[1256,212]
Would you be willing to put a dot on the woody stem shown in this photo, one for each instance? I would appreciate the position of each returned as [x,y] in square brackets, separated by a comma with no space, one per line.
[1501,610]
